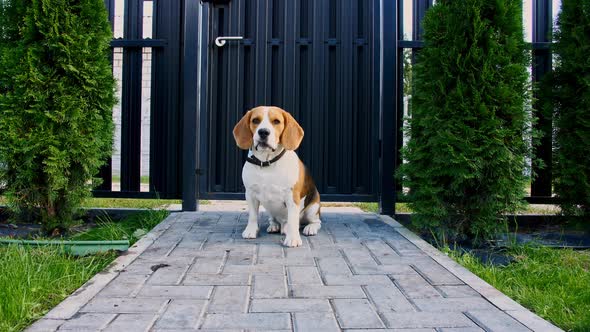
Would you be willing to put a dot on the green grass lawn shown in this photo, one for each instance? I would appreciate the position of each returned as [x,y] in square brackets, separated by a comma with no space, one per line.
[34,280]
[134,203]
[553,283]
[131,228]
[129,203]
[403,208]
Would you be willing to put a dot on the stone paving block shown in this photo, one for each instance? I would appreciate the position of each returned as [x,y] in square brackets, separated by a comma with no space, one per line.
[407,320]
[259,321]
[402,246]
[240,258]
[327,292]
[496,320]
[348,242]
[45,325]
[304,275]
[461,329]
[398,269]
[124,305]
[436,274]
[286,261]
[458,291]
[388,298]
[181,314]
[333,265]
[88,321]
[533,322]
[321,240]
[190,241]
[415,287]
[168,275]
[217,279]
[119,289]
[360,257]
[256,269]
[315,321]
[176,292]
[290,305]
[131,323]
[453,304]
[383,252]
[344,280]
[270,250]
[229,299]
[356,313]
[315,253]
[131,278]
[391,330]
[207,265]
[269,286]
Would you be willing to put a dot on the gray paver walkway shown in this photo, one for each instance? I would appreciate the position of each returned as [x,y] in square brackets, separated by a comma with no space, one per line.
[362,272]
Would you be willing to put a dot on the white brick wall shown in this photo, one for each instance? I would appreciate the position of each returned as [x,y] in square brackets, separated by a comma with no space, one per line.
[145,87]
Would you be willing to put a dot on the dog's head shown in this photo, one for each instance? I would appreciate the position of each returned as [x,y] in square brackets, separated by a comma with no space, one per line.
[265,127]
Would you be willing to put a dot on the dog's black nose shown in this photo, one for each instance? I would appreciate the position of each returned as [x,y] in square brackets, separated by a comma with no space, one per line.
[263,133]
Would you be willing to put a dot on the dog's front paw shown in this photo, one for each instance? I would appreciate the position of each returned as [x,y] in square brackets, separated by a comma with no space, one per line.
[312,229]
[250,232]
[293,241]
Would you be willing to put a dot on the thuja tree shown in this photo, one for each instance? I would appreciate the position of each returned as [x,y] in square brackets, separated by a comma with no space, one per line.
[466,153]
[55,109]
[571,101]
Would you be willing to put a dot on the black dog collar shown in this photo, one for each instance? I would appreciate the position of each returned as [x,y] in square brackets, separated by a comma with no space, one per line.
[258,162]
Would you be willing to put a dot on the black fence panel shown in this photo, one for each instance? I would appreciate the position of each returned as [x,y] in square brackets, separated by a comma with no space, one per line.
[164,101]
[315,59]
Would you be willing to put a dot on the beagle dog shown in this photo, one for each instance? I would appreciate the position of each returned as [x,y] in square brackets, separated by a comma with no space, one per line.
[275,177]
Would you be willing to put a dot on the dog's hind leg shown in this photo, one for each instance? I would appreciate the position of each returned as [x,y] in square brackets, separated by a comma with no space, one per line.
[312,216]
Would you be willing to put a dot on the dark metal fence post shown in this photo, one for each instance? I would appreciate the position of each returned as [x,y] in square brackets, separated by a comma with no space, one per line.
[131,100]
[388,105]
[542,19]
[190,76]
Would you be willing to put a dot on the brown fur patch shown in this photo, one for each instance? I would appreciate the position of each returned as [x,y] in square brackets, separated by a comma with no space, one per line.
[305,187]
[292,135]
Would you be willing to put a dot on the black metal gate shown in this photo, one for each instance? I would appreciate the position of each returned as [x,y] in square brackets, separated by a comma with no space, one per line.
[315,59]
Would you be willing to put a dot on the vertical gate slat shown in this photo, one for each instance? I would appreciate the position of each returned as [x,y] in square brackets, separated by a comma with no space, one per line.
[347,23]
[131,100]
[542,18]
[166,117]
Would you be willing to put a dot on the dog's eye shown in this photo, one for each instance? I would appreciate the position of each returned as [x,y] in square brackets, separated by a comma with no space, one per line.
[276,121]
[256,121]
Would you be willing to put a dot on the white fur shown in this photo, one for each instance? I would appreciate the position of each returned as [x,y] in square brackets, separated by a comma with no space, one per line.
[272,187]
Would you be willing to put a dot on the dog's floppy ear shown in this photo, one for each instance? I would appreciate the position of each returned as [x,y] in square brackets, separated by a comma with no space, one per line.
[292,134]
[242,133]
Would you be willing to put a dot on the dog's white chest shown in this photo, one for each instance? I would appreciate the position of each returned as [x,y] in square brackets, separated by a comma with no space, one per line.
[272,186]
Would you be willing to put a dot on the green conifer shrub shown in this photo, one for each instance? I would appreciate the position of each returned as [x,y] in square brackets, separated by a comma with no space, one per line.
[56,99]
[570,84]
[466,153]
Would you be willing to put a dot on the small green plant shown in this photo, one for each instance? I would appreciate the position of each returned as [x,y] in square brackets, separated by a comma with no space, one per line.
[56,97]
[467,148]
[569,87]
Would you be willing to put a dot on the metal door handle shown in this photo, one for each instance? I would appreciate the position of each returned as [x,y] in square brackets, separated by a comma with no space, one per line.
[220,41]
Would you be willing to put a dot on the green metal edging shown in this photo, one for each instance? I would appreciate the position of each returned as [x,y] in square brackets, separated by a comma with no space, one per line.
[77,248]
